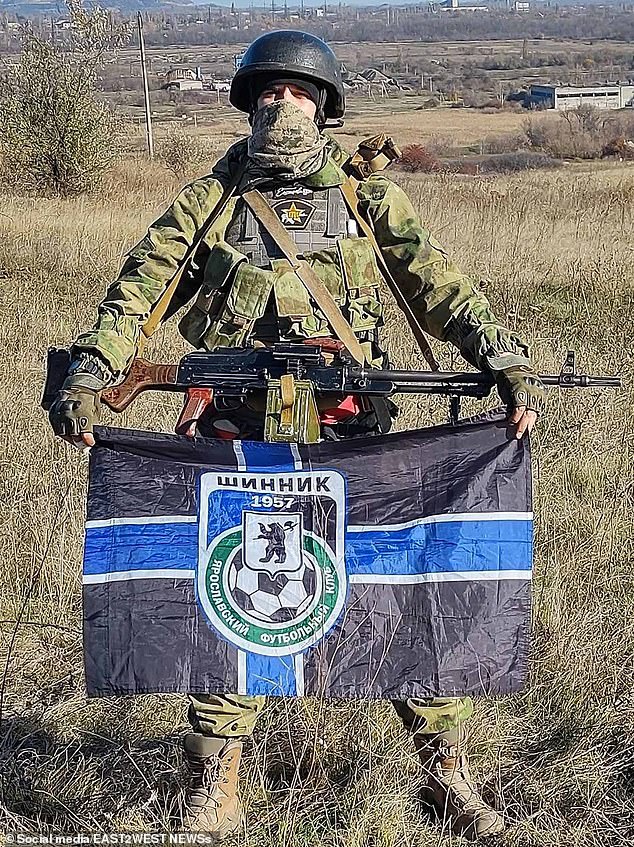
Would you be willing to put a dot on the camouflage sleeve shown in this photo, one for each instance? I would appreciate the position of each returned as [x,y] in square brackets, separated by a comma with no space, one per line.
[147,271]
[446,302]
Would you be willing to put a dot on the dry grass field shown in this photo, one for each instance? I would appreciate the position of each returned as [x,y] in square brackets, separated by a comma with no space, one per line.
[459,126]
[555,254]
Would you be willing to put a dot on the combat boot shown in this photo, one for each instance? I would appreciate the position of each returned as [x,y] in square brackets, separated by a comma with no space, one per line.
[449,787]
[212,803]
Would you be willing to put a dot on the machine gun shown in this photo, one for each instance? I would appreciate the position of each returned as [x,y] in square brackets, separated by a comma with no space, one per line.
[322,365]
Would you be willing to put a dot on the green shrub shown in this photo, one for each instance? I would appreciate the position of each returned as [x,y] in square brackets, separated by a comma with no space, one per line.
[182,153]
[56,137]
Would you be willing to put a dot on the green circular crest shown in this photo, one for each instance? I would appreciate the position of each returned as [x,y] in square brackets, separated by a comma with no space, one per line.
[274,638]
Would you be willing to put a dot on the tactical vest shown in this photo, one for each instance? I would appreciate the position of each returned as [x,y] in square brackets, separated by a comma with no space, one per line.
[250,292]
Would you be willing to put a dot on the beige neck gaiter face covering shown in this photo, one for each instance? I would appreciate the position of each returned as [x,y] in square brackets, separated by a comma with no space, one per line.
[285,142]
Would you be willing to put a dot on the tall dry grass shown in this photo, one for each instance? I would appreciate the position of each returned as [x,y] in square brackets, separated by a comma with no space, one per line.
[555,254]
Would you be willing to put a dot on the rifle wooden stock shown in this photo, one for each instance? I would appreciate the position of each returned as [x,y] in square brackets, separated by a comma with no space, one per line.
[142,376]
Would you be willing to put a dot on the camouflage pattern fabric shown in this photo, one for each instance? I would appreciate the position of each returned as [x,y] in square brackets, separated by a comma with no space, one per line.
[235,715]
[285,142]
[445,300]
[435,715]
[146,273]
[225,715]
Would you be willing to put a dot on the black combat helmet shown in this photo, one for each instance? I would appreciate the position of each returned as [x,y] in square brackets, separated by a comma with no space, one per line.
[289,53]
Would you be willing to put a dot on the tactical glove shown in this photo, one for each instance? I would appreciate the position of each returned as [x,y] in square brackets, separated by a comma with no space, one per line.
[75,410]
[521,386]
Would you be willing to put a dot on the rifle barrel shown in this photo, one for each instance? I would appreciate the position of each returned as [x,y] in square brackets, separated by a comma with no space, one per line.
[478,378]
[581,381]
[431,377]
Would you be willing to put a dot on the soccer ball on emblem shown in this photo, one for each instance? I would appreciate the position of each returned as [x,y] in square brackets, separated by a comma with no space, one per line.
[273,598]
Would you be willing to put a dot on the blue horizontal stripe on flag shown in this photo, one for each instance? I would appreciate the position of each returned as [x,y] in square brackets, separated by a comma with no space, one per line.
[447,546]
[444,547]
[140,546]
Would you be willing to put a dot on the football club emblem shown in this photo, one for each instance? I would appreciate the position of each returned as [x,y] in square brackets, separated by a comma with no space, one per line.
[294,213]
[271,572]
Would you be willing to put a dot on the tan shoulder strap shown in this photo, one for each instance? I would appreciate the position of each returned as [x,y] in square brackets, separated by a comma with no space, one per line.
[313,284]
[162,304]
[349,191]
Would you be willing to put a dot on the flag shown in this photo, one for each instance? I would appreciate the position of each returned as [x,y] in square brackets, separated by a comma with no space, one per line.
[390,566]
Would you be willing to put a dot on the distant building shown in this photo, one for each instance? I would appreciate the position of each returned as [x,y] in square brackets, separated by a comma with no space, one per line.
[183,79]
[368,78]
[562,97]
[184,85]
[177,74]
[377,76]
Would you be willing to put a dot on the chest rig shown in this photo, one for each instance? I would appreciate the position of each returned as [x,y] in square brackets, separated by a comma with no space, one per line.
[315,219]
[250,292]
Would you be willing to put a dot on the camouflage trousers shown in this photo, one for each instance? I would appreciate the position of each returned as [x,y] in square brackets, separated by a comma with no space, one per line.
[235,715]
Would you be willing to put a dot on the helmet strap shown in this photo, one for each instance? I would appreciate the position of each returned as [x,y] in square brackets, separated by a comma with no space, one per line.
[320,117]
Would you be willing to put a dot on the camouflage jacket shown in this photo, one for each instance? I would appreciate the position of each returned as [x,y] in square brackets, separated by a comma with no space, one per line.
[446,302]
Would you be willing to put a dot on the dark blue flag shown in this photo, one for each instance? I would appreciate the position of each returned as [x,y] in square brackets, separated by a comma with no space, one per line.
[394,566]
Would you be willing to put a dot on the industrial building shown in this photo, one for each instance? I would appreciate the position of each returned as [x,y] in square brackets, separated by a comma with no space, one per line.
[562,97]
[456,6]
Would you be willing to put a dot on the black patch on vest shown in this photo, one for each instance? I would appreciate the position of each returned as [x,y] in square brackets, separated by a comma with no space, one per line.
[294,213]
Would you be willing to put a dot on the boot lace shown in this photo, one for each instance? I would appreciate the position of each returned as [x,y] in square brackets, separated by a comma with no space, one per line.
[205,782]
[211,773]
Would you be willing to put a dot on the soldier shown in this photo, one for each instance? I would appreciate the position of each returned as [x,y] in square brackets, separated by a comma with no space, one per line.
[289,85]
